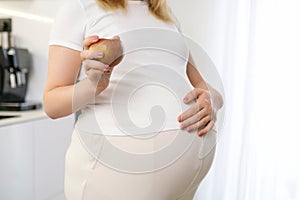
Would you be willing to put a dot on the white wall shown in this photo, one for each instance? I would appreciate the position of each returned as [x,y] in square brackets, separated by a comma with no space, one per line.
[195,17]
[32,24]
[32,21]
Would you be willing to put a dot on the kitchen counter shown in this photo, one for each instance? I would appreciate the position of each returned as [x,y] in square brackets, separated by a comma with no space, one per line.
[21,116]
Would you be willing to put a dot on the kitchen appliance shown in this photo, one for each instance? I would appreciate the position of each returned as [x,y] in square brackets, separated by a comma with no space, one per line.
[15,65]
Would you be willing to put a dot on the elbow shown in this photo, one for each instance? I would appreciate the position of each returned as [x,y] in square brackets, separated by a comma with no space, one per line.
[49,112]
[219,101]
[217,98]
[54,112]
[49,109]
[51,116]
[54,108]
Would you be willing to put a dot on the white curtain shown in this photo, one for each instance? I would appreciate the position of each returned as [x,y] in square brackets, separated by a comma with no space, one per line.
[256,47]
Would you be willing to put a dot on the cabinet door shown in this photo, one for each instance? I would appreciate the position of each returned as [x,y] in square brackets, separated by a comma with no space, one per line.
[51,139]
[32,159]
[16,162]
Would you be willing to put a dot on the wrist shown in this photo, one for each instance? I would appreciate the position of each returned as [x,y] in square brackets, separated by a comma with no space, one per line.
[216,98]
[202,85]
[96,87]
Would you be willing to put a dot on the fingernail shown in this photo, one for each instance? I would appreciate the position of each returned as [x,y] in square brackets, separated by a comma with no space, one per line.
[179,118]
[100,53]
[182,126]
[107,68]
[185,99]
[189,129]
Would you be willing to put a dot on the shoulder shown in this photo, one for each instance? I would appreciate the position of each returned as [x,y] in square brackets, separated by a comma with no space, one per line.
[69,26]
[79,6]
[90,8]
[70,8]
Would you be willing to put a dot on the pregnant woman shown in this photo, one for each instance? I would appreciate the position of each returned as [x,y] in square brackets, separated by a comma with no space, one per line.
[144,119]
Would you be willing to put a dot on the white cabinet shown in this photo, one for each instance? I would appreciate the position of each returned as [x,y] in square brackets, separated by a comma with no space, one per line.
[16,162]
[32,159]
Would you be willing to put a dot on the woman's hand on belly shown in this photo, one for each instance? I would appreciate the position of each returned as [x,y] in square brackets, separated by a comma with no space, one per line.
[200,115]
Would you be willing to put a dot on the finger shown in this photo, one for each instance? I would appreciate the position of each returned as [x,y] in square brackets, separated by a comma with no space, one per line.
[202,102]
[192,95]
[94,64]
[194,119]
[205,104]
[199,124]
[90,40]
[91,54]
[189,113]
[98,77]
[206,129]
[116,37]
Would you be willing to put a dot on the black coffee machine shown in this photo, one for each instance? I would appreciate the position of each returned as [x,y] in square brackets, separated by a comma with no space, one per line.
[15,64]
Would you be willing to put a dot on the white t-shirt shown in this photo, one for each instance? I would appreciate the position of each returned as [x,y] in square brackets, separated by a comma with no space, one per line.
[146,89]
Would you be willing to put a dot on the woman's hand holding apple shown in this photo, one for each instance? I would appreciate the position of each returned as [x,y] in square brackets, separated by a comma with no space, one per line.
[99,58]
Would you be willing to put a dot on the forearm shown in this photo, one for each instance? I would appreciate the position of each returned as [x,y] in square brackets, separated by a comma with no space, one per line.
[198,82]
[65,100]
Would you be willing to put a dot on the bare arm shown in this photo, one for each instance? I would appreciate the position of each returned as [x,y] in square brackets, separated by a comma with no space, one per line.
[63,68]
[198,82]
[62,96]
[201,115]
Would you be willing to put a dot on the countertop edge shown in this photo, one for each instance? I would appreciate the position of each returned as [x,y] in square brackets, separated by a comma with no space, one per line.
[23,116]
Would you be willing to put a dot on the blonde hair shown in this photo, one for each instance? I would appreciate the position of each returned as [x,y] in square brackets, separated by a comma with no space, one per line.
[158,8]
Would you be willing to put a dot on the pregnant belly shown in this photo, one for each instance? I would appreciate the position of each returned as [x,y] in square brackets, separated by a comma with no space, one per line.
[144,100]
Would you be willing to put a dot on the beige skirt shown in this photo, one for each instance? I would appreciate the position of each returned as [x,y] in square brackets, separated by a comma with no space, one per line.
[110,176]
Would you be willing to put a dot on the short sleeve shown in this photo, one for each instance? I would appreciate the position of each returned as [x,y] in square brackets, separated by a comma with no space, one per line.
[69,26]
